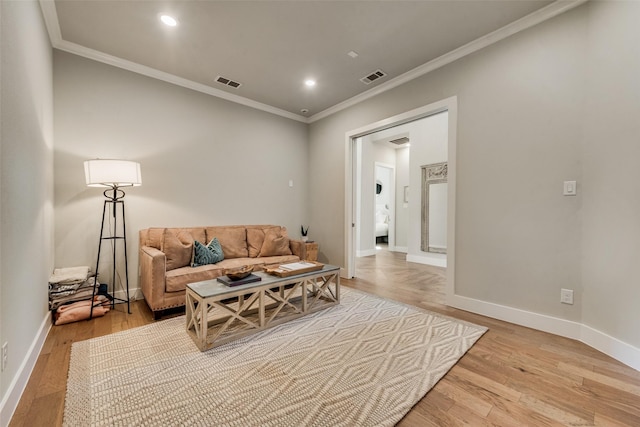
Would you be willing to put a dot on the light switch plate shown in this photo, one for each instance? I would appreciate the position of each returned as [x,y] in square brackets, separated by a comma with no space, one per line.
[569,188]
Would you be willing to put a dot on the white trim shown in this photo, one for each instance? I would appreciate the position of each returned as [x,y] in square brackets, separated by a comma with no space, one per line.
[366,252]
[611,346]
[554,9]
[541,322]
[428,259]
[401,249]
[619,350]
[452,164]
[451,106]
[14,392]
[134,294]
[50,15]
[53,27]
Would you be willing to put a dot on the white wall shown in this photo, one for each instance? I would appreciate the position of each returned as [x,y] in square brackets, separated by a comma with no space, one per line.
[429,138]
[26,192]
[205,161]
[610,186]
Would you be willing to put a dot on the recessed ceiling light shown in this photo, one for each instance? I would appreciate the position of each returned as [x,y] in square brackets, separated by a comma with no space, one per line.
[169,20]
[353,54]
[310,82]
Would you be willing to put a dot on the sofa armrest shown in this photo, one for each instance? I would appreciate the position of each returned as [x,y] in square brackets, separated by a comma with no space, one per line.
[153,264]
[298,248]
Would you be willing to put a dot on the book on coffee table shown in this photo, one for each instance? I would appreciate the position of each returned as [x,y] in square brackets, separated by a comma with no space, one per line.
[249,279]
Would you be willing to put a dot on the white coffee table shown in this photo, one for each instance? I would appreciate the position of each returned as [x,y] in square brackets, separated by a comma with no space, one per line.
[217,313]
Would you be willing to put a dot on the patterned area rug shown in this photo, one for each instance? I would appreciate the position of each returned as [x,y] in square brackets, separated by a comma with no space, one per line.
[365,362]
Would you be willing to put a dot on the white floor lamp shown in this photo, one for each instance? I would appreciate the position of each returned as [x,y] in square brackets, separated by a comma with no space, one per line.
[113,174]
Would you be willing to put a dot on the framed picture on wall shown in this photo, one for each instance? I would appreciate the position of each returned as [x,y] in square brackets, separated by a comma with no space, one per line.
[406,194]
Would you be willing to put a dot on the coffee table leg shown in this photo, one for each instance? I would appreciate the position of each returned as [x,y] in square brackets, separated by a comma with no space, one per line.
[261,308]
[203,324]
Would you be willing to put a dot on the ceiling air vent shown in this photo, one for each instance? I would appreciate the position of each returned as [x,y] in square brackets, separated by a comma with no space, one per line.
[400,141]
[373,77]
[228,82]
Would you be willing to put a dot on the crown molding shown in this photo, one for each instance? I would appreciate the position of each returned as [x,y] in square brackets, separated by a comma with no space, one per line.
[53,27]
[541,15]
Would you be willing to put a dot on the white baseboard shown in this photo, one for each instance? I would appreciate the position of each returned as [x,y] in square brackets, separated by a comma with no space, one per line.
[16,388]
[134,294]
[438,261]
[611,346]
[619,350]
[402,249]
[366,252]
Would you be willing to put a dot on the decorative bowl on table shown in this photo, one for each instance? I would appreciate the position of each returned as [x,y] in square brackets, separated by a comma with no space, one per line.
[238,272]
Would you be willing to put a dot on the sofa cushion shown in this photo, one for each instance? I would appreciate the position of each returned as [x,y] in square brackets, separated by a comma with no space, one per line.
[210,254]
[255,238]
[155,237]
[176,280]
[233,240]
[177,245]
[198,234]
[275,243]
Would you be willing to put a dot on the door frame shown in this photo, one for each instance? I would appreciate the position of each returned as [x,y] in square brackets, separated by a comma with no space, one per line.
[449,104]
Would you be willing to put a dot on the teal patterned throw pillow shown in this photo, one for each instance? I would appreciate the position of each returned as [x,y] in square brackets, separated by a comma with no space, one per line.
[210,254]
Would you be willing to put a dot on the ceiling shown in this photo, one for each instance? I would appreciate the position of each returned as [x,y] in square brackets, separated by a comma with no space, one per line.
[271,47]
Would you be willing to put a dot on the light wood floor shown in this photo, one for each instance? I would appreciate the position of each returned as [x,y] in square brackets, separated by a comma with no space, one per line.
[513,376]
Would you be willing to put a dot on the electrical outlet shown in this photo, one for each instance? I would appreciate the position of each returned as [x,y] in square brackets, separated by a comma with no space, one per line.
[5,354]
[566,296]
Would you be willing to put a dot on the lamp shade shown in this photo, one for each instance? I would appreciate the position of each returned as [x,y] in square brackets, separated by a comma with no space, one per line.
[112,173]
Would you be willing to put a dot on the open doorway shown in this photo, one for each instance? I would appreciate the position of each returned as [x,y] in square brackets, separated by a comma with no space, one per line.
[408,189]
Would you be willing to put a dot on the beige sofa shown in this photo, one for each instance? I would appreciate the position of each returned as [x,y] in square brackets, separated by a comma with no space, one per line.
[166,255]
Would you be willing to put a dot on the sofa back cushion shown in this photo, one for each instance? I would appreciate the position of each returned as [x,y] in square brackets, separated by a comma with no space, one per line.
[177,245]
[232,238]
[275,243]
[255,238]
[267,240]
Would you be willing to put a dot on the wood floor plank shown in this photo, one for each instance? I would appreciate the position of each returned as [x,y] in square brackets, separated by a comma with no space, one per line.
[465,416]
[513,376]
[607,399]
[514,414]
[600,378]
[475,403]
[554,412]
[481,385]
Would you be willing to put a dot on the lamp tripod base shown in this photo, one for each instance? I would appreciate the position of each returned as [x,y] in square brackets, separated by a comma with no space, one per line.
[102,288]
